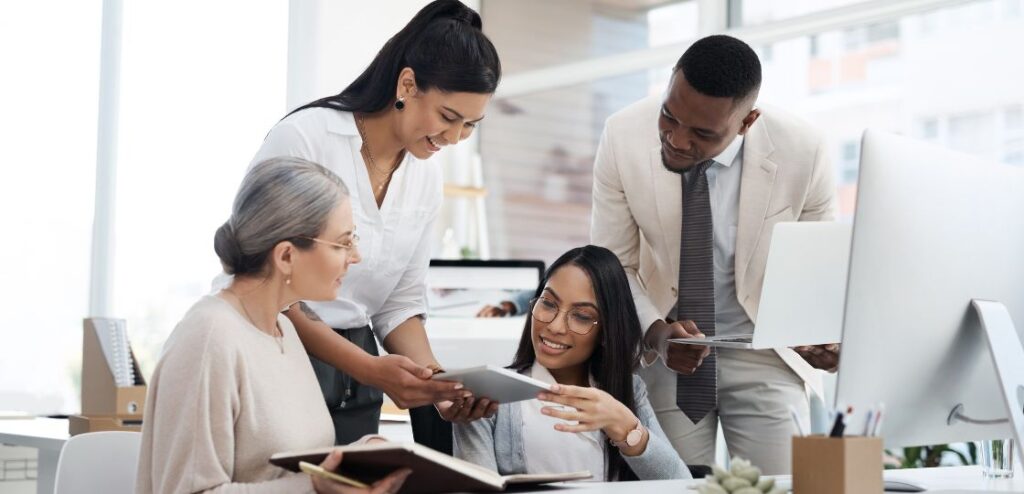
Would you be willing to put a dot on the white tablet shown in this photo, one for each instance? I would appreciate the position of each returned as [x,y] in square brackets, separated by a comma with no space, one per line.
[495,383]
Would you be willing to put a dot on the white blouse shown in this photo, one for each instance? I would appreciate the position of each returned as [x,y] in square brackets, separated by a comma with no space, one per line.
[389,285]
[551,451]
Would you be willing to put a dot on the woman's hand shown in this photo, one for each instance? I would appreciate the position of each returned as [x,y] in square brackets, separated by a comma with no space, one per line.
[466,410]
[595,410]
[386,485]
[407,383]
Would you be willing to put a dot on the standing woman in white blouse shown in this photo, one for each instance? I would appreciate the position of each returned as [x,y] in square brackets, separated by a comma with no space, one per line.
[427,88]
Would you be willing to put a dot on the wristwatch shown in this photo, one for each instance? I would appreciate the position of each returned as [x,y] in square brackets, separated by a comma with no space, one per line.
[632,438]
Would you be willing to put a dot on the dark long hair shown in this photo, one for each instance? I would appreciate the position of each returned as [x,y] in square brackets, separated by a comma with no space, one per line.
[445,47]
[617,355]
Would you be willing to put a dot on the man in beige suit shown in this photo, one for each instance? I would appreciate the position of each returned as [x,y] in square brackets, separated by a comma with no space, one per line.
[687,188]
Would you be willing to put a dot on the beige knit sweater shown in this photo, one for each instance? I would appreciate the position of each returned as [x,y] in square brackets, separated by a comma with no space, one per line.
[222,400]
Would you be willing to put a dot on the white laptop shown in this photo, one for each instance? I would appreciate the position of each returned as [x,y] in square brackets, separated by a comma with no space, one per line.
[804,289]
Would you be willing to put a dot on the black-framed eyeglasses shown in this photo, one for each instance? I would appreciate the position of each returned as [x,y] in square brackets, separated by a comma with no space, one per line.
[578,320]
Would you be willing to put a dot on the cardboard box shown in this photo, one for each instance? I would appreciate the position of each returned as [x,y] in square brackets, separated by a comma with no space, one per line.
[79,424]
[100,395]
[105,405]
[841,465]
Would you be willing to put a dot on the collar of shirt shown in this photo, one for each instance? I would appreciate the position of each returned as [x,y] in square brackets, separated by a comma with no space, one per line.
[344,123]
[728,156]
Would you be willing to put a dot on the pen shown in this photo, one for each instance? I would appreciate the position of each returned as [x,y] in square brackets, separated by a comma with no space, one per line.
[868,423]
[840,425]
[320,472]
[877,429]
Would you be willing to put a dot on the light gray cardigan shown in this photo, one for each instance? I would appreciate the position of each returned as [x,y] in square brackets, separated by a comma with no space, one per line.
[497,443]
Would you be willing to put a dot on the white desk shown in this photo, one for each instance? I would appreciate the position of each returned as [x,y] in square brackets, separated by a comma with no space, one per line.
[949,480]
[49,436]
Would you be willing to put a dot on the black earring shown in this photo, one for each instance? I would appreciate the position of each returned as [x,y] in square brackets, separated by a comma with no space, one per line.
[400,104]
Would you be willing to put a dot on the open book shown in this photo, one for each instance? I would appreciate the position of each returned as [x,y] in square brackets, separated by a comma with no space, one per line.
[432,471]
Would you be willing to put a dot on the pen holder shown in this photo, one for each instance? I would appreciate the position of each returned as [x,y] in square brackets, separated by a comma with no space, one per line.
[837,465]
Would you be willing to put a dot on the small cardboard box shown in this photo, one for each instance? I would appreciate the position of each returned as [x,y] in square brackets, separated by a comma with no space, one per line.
[100,394]
[837,465]
[105,405]
[80,424]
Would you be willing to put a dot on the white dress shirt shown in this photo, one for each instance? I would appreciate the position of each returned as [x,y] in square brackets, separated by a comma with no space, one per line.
[551,451]
[724,189]
[389,285]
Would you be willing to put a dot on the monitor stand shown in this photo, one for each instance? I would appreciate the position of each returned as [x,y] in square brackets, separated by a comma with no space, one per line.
[1008,357]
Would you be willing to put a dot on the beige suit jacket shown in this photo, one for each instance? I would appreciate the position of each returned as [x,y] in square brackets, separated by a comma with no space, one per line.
[637,205]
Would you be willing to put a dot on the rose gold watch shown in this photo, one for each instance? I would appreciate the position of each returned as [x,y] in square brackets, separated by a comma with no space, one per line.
[633,437]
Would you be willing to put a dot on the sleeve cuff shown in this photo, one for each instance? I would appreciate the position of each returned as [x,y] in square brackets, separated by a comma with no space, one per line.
[383,326]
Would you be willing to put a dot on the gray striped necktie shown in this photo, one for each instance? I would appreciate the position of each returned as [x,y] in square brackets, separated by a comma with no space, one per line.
[697,395]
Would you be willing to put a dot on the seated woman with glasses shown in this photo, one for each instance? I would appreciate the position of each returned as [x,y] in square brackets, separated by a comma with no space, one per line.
[234,384]
[584,339]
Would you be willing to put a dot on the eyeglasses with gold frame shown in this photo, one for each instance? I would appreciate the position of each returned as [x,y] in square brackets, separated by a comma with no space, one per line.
[578,321]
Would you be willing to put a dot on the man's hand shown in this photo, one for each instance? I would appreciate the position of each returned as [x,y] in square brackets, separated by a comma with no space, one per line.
[408,384]
[824,357]
[684,359]
[466,410]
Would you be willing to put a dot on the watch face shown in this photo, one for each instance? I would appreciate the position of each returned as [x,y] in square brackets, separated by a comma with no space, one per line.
[634,437]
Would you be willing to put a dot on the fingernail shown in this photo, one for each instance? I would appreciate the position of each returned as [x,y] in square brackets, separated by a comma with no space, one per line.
[555,388]
[459,386]
[545,411]
[543,397]
[467,394]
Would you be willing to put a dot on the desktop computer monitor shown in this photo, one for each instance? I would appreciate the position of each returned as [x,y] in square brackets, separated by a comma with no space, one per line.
[456,292]
[933,230]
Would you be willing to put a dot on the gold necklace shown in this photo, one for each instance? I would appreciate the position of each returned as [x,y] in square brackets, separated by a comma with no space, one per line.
[279,337]
[361,127]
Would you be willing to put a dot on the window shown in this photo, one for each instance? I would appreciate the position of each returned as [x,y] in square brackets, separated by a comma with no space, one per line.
[538,149]
[1014,118]
[51,82]
[1014,152]
[929,129]
[850,163]
[672,23]
[533,34]
[893,74]
[538,155]
[755,12]
[195,109]
[896,76]
[973,132]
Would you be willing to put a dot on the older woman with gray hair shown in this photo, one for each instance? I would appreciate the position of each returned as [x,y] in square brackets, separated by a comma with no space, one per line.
[234,384]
